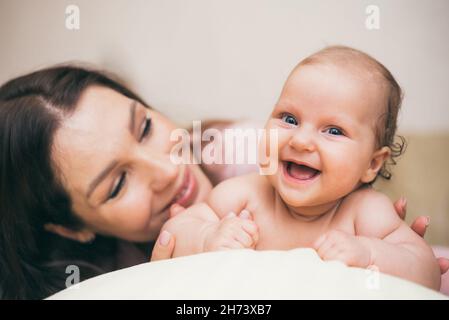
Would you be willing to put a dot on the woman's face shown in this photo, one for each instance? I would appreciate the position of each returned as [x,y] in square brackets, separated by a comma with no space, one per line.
[113,156]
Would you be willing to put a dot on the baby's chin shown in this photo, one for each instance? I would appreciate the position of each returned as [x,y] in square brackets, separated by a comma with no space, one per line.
[293,200]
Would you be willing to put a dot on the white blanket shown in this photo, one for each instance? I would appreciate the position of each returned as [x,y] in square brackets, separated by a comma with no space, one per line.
[247,274]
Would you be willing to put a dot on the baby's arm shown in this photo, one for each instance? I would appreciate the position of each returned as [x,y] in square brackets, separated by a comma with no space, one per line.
[214,225]
[402,252]
[382,239]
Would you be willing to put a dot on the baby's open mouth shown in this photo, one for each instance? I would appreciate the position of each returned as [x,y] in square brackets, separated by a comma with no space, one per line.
[300,171]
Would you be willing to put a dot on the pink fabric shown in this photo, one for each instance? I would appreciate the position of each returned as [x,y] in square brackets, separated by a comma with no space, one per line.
[443,252]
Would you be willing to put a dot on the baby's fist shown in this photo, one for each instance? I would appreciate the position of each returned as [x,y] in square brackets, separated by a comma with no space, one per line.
[233,232]
[350,249]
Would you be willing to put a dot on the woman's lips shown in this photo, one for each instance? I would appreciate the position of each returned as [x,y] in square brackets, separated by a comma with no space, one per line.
[187,192]
[298,173]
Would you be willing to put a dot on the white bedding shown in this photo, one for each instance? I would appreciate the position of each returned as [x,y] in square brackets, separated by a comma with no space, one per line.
[247,274]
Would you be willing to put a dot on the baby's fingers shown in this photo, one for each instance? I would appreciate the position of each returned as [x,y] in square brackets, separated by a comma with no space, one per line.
[325,248]
[244,239]
[245,214]
[231,244]
[251,228]
[231,215]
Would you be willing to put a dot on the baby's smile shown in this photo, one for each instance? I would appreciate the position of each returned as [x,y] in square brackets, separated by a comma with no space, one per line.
[300,173]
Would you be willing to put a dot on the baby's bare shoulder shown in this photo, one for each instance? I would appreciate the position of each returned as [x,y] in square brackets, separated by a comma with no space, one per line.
[237,193]
[247,182]
[373,212]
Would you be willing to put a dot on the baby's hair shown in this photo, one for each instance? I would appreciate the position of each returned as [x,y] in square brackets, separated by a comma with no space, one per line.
[387,123]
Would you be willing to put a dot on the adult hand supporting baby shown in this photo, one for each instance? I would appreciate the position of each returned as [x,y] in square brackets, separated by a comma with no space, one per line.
[419,225]
[165,244]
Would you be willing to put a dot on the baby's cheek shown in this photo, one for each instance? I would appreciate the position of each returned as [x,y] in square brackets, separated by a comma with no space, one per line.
[341,173]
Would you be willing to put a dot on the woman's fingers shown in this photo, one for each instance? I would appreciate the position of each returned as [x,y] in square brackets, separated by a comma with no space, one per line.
[164,247]
[176,209]
[444,265]
[420,225]
[401,207]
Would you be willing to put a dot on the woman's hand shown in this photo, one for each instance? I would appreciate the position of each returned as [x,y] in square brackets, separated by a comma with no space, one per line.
[419,226]
[165,244]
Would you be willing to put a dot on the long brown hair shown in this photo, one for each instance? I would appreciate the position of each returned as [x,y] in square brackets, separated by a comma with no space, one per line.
[33,261]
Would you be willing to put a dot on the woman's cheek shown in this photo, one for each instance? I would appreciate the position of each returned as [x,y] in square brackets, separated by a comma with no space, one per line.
[134,212]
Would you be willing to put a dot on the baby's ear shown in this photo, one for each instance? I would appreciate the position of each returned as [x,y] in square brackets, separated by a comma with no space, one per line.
[378,159]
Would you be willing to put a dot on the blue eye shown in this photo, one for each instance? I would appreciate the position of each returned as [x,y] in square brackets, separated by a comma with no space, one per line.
[335,131]
[288,118]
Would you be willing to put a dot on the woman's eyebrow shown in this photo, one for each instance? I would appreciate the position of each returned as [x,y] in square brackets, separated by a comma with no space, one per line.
[104,173]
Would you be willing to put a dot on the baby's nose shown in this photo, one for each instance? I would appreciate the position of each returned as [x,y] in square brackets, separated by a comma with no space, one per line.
[303,141]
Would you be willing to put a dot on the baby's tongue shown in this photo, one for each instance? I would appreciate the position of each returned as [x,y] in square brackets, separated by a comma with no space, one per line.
[301,172]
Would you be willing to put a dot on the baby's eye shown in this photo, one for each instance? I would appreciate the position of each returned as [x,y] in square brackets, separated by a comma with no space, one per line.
[288,118]
[335,131]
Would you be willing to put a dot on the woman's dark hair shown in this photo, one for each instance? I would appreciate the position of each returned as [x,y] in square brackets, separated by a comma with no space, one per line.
[33,261]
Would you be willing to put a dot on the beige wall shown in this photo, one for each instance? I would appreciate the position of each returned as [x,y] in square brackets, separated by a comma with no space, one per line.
[422,176]
[228,58]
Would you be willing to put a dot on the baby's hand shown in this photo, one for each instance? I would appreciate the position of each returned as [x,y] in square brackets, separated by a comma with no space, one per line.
[338,245]
[233,232]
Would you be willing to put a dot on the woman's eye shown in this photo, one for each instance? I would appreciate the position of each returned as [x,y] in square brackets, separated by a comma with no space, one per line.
[335,131]
[118,186]
[146,128]
[288,118]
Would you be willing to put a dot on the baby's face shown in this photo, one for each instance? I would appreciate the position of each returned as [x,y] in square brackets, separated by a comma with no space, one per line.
[326,120]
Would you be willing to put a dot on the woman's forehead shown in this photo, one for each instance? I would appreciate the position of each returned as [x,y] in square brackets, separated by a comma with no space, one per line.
[92,135]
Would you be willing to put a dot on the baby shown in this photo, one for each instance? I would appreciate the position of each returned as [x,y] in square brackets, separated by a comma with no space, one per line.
[336,122]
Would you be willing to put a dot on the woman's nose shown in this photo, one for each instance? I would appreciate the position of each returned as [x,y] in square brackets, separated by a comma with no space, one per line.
[161,171]
[303,140]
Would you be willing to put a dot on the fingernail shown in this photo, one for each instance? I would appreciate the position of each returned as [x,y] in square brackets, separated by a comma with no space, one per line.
[404,203]
[245,214]
[427,221]
[164,238]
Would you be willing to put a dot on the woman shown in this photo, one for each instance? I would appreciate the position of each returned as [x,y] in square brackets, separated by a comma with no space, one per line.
[85,172]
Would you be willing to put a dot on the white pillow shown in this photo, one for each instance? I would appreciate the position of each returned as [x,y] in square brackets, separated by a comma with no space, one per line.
[247,274]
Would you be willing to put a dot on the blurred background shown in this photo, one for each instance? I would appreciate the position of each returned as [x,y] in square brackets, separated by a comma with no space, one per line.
[201,59]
